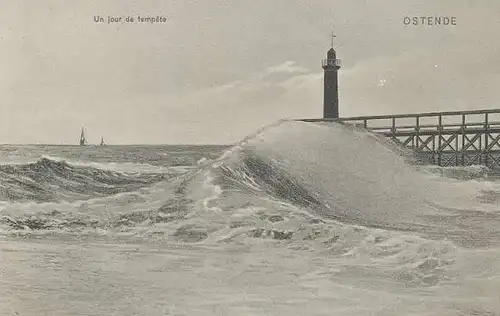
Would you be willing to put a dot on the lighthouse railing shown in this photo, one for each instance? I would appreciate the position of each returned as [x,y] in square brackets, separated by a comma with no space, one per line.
[331,62]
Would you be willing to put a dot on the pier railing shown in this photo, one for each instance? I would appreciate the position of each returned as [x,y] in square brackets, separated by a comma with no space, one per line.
[442,138]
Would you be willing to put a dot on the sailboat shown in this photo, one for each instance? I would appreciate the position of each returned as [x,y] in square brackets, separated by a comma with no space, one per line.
[102,141]
[83,140]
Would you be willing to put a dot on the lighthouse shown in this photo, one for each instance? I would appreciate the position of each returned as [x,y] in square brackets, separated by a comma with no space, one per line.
[331,65]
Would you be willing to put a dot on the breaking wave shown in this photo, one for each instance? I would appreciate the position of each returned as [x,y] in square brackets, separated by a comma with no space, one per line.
[49,180]
[285,181]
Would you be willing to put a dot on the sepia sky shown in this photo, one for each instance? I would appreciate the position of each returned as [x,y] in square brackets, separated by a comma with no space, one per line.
[218,70]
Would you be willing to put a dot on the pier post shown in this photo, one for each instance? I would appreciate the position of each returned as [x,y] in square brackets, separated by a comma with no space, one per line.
[486,140]
[464,126]
[440,137]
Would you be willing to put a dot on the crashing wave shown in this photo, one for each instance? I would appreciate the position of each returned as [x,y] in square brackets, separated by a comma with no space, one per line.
[49,180]
[303,174]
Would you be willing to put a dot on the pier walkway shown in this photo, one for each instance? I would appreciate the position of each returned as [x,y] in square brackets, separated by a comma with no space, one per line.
[459,138]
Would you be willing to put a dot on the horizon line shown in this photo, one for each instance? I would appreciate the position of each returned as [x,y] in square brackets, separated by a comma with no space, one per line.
[107,145]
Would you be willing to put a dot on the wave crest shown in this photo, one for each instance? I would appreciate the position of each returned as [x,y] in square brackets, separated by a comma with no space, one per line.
[48,180]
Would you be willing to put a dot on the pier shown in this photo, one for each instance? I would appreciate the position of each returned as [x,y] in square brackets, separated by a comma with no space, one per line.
[458,138]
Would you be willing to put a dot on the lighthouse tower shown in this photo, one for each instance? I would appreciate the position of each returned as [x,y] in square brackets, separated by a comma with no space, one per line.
[331,65]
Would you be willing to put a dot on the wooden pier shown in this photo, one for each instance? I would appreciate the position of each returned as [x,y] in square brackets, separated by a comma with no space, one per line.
[459,138]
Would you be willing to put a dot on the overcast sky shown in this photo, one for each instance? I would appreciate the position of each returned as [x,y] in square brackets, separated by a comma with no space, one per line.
[218,70]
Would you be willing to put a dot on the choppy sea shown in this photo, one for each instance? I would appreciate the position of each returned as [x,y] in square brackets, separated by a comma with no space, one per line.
[297,219]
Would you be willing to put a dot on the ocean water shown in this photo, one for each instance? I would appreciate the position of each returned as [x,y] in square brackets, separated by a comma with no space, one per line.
[297,219]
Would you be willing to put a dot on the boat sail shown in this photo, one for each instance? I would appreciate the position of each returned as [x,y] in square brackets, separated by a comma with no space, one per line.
[102,141]
[83,140]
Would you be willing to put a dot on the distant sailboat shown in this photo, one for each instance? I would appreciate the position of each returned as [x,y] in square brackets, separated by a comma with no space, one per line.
[83,140]
[102,141]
